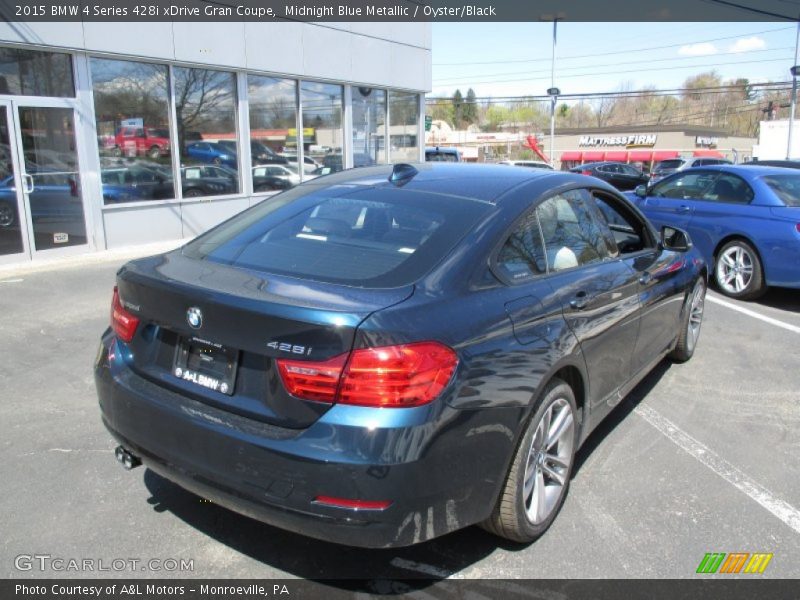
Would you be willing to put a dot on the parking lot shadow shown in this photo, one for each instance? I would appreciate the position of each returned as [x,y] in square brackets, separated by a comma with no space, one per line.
[781,298]
[620,413]
[300,556]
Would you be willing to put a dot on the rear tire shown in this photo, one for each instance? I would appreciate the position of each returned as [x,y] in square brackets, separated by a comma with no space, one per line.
[690,324]
[738,272]
[8,215]
[538,479]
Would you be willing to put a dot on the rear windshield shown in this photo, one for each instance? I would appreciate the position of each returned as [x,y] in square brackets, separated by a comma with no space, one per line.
[377,238]
[669,164]
[441,157]
[786,187]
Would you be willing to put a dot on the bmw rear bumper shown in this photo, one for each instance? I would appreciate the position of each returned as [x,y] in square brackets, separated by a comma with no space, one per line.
[441,468]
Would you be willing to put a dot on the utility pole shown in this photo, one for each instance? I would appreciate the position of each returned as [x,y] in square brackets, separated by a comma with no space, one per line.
[553,92]
[794,93]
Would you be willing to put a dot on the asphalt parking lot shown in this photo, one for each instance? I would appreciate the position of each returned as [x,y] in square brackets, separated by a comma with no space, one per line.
[701,457]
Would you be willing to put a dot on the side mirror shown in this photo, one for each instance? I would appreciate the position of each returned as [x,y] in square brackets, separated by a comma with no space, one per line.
[676,239]
[641,190]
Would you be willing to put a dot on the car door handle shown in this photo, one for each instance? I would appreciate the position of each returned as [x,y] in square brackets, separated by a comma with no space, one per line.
[580,301]
[30,185]
[684,209]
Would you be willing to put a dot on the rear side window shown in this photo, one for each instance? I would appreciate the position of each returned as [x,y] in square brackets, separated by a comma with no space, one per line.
[364,238]
[786,187]
[522,255]
[669,164]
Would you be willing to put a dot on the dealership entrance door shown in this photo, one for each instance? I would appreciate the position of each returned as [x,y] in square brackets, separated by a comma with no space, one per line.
[41,203]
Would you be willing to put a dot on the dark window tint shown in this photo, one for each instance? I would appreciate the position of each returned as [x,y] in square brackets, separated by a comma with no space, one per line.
[786,187]
[35,73]
[730,189]
[441,157]
[522,255]
[572,236]
[367,238]
[669,164]
[690,184]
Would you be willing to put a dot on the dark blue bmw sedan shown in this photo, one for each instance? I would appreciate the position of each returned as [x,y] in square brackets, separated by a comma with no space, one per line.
[384,355]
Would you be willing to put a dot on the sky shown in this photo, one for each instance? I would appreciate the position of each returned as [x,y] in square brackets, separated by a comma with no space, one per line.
[604,57]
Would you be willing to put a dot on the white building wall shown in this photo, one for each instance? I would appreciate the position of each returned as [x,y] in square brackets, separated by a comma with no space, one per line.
[396,55]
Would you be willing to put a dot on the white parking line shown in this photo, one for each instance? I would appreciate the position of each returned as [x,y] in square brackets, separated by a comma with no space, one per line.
[755,491]
[754,314]
[430,570]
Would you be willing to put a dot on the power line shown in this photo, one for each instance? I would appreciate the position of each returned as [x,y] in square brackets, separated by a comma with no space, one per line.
[615,72]
[751,9]
[632,62]
[767,86]
[629,51]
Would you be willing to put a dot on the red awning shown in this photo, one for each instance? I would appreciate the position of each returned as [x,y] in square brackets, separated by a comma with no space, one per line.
[570,156]
[665,154]
[592,156]
[620,156]
[640,155]
[709,153]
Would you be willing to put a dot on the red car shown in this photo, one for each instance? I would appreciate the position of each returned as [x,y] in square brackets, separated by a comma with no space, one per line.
[152,141]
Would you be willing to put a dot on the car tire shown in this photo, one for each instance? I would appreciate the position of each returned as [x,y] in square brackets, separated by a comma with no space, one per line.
[116,151]
[691,323]
[154,152]
[524,512]
[192,193]
[8,215]
[738,272]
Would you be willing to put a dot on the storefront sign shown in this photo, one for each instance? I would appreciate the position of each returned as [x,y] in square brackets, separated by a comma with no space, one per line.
[706,142]
[629,141]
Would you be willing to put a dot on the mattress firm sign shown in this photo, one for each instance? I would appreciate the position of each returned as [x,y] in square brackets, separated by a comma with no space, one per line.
[629,141]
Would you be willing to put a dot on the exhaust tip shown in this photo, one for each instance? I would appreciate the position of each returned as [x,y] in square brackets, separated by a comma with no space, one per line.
[126,459]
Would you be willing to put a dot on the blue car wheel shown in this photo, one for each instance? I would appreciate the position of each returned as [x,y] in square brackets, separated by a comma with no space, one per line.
[738,271]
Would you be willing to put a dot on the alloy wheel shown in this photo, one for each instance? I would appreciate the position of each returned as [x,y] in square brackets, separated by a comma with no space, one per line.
[695,315]
[549,460]
[735,269]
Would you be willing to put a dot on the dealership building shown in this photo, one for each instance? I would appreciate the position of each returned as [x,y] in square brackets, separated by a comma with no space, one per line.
[116,134]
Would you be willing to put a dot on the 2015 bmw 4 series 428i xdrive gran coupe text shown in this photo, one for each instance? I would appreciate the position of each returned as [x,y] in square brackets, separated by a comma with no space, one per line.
[387,354]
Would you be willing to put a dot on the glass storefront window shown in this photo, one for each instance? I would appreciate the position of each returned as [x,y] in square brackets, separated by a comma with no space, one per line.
[273,133]
[131,104]
[36,73]
[403,127]
[323,136]
[369,126]
[205,106]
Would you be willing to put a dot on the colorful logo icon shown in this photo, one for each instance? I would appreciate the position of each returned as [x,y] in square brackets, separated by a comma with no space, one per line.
[734,562]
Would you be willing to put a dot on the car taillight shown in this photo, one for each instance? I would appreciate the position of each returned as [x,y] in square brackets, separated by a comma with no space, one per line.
[585,172]
[390,376]
[123,323]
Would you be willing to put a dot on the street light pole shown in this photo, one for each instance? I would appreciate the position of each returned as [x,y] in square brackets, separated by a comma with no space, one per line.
[553,96]
[794,93]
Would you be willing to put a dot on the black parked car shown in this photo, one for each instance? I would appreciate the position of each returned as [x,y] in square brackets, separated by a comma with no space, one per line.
[388,354]
[622,176]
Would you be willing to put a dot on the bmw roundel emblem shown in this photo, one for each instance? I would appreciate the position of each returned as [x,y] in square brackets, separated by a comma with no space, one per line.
[195,317]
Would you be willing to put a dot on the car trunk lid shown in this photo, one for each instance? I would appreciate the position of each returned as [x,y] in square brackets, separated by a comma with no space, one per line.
[247,320]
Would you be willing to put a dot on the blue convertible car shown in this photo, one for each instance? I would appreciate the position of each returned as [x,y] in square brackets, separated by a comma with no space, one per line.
[744,220]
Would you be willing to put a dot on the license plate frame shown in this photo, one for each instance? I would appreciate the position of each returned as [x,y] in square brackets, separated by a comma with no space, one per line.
[206,364]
